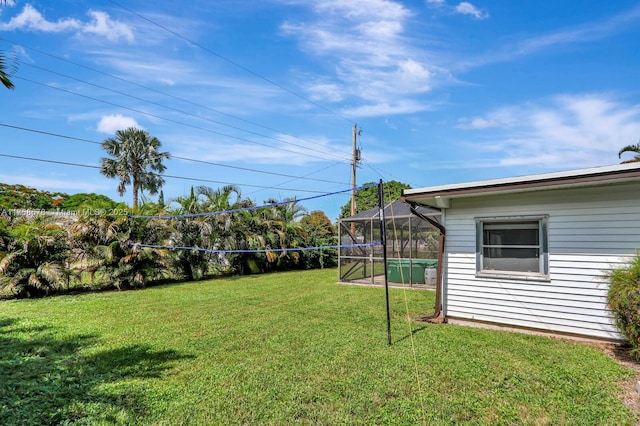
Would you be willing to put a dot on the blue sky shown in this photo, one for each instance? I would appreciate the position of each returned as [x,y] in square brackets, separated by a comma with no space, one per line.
[264,94]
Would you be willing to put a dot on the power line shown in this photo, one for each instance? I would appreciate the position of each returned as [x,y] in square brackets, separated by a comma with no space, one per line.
[197,127]
[185,158]
[219,251]
[380,173]
[158,91]
[250,208]
[49,133]
[216,54]
[165,118]
[67,163]
[265,172]
[42,160]
[181,111]
[303,177]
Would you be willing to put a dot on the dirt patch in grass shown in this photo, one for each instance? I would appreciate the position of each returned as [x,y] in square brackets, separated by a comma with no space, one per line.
[621,353]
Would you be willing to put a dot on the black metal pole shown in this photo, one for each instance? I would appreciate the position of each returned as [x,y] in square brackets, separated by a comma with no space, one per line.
[383,240]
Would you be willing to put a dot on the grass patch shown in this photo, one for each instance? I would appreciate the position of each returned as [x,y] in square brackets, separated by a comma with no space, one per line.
[285,348]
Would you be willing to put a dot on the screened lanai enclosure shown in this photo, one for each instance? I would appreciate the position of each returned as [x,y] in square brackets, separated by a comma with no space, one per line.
[412,246]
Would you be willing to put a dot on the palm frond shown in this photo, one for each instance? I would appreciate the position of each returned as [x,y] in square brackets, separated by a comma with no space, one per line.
[631,148]
[52,272]
[35,281]
[6,261]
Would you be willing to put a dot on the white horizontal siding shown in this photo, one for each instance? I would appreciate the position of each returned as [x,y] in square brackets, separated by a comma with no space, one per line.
[590,230]
[529,312]
[539,290]
[591,330]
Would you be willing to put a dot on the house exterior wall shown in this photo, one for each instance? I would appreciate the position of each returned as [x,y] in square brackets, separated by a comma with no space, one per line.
[590,230]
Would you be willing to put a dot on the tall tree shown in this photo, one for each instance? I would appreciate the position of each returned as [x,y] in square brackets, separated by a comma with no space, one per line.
[321,232]
[24,197]
[318,224]
[631,148]
[368,198]
[136,161]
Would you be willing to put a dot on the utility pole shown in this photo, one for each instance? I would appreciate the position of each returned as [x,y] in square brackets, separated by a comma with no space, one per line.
[354,164]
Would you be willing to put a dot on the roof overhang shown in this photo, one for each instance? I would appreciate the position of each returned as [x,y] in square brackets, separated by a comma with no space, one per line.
[440,196]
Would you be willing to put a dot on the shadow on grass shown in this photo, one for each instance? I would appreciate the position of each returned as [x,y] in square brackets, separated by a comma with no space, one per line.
[47,379]
[413,332]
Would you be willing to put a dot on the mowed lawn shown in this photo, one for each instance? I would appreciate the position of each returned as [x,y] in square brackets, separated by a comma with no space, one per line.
[285,348]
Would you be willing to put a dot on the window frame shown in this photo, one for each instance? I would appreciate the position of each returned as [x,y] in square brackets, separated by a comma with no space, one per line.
[542,246]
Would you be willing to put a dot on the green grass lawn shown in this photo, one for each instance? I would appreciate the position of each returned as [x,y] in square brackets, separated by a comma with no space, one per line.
[286,348]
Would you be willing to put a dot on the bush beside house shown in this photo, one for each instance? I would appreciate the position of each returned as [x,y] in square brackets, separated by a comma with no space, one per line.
[624,301]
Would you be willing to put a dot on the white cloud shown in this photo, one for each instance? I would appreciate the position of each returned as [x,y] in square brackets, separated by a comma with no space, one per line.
[144,66]
[111,123]
[379,109]
[103,25]
[31,19]
[380,30]
[100,24]
[376,68]
[591,31]
[413,75]
[588,32]
[22,54]
[362,9]
[477,123]
[562,132]
[466,8]
[463,8]
[325,91]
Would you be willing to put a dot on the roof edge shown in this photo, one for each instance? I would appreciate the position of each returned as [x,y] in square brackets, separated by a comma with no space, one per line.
[570,178]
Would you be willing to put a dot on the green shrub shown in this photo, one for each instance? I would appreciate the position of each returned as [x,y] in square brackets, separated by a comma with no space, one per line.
[624,301]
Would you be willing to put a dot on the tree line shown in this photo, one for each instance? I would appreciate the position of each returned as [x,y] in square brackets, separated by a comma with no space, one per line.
[101,245]
[98,247]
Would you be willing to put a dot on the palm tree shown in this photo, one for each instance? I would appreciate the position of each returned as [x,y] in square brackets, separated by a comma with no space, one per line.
[35,262]
[187,204]
[94,241]
[135,157]
[102,245]
[284,230]
[201,232]
[218,199]
[138,266]
[631,148]
[4,71]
